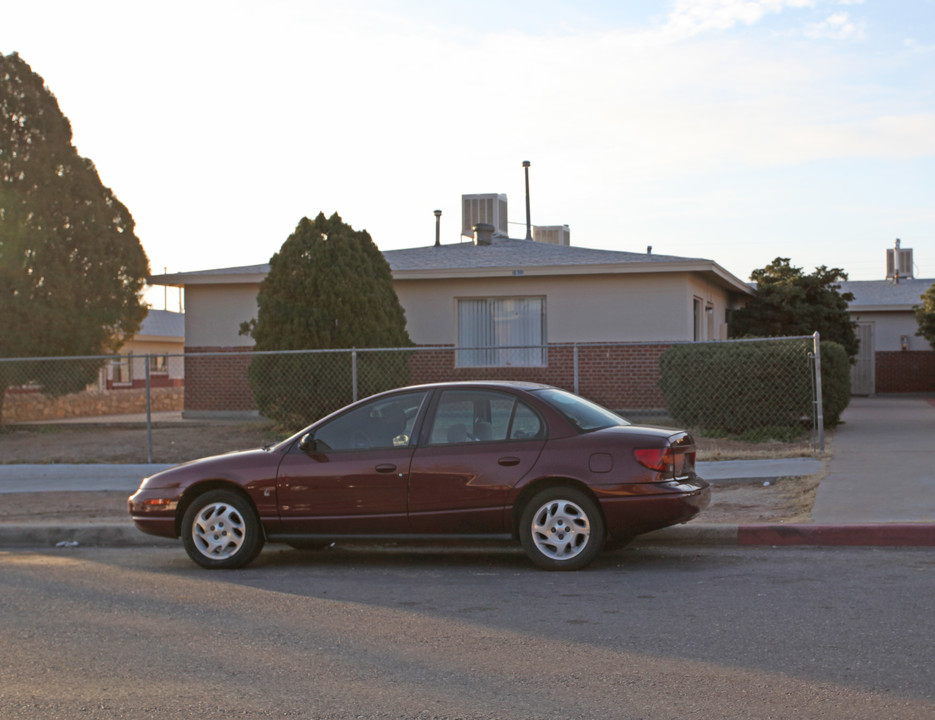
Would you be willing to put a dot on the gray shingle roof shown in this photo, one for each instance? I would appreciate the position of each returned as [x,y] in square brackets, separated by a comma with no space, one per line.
[506,254]
[163,323]
[886,293]
[512,253]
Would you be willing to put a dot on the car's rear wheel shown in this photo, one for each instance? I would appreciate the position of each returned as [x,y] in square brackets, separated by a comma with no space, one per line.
[561,528]
[220,530]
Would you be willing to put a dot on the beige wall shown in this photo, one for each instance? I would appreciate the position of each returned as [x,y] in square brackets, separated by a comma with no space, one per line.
[579,308]
[890,327]
[713,297]
[213,314]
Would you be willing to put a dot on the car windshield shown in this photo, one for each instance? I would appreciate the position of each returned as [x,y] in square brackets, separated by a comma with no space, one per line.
[584,414]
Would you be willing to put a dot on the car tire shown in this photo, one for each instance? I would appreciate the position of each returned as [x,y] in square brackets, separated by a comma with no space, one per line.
[561,528]
[220,530]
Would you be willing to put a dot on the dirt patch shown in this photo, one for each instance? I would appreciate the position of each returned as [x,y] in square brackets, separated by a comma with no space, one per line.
[67,508]
[172,443]
[785,500]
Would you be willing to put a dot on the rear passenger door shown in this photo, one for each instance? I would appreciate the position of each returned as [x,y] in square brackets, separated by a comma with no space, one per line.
[476,446]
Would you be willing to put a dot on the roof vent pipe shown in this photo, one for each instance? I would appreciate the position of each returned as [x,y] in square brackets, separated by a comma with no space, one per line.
[483,234]
[528,221]
[438,228]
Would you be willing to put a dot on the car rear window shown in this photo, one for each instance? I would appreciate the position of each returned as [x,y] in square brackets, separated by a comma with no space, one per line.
[582,413]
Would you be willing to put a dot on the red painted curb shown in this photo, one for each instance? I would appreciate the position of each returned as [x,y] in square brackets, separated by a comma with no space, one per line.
[903,534]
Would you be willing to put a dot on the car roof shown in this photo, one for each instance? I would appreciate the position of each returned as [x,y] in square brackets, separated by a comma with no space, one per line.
[515,384]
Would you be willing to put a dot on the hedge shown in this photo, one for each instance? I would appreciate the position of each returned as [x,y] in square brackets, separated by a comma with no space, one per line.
[735,388]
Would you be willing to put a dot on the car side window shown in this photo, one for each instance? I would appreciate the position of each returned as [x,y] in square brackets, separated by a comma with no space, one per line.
[383,423]
[527,424]
[471,416]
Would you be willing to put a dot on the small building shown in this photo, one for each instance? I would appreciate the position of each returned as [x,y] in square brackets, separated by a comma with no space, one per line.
[892,358]
[160,341]
[508,302]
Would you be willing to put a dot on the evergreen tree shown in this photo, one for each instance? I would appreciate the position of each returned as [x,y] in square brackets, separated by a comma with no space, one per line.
[788,302]
[328,287]
[71,268]
[925,316]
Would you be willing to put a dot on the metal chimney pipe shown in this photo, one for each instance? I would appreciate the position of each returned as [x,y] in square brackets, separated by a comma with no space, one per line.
[528,222]
[438,228]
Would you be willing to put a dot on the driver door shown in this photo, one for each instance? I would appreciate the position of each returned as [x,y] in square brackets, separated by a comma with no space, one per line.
[351,475]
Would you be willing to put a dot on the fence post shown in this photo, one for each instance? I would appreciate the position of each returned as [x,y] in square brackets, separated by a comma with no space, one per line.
[149,412]
[575,355]
[819,404]
[354,373]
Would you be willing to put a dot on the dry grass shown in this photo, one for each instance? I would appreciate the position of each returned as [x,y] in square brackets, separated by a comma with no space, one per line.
[725,449]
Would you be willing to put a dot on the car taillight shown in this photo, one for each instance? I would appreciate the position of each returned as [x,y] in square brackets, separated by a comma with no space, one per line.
[669,460]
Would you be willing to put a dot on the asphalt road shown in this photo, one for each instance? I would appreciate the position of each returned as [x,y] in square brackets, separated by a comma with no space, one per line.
[389,633]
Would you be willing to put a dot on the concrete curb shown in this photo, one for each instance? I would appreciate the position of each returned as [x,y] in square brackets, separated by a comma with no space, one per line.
[854,535]
[877,535]
[697,535]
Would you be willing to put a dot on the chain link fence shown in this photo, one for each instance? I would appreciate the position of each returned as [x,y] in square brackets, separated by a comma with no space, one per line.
[754,390]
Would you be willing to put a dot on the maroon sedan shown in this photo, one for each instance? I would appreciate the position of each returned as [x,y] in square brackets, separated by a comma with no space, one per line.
[477,459]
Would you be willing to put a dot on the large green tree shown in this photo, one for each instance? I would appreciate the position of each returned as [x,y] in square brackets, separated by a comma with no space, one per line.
[788,302]
[925,316]
[328,287]
[71,268]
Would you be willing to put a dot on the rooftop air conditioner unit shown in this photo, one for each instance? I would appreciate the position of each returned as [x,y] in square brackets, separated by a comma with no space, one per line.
[552,234]
[487,208]
[898,263]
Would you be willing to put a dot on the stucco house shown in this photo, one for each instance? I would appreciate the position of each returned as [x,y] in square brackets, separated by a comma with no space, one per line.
[160,337]
[523,301]
[541,294]
[892,358]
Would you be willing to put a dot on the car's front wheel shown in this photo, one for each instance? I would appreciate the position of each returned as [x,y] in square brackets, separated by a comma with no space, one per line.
[561,528]
[220,530]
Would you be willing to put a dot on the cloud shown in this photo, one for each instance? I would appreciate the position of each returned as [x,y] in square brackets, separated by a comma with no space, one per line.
[694,17]
[837,27]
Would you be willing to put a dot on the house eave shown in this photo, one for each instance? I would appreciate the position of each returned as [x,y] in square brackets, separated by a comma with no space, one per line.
[254,274]
[690,266]
[250,277]
[856,309]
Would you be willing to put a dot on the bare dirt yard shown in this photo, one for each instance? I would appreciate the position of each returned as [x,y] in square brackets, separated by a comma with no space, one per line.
[781,500]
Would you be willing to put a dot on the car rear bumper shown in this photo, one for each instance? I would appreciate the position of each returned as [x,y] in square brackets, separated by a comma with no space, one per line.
[653,507]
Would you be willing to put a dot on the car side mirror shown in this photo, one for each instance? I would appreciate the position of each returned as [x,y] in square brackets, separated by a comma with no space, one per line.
[307,443]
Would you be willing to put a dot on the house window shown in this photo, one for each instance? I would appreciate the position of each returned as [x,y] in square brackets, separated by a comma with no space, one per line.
[501,332]
[709,322]
[159,364]
[122,370]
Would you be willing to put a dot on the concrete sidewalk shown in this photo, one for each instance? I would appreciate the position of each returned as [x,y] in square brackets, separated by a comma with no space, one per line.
[879,488]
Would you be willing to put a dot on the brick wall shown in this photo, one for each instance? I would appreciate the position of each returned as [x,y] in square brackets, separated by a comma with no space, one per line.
[620,376]
[905,371]
[217,382]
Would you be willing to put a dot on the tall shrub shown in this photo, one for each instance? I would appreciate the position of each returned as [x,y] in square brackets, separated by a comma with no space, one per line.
[328,287]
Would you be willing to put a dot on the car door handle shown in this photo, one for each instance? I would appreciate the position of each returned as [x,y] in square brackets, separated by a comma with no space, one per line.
[386,468]
[508,461]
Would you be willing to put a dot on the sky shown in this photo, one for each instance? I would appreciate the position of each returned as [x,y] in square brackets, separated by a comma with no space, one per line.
[733,130]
